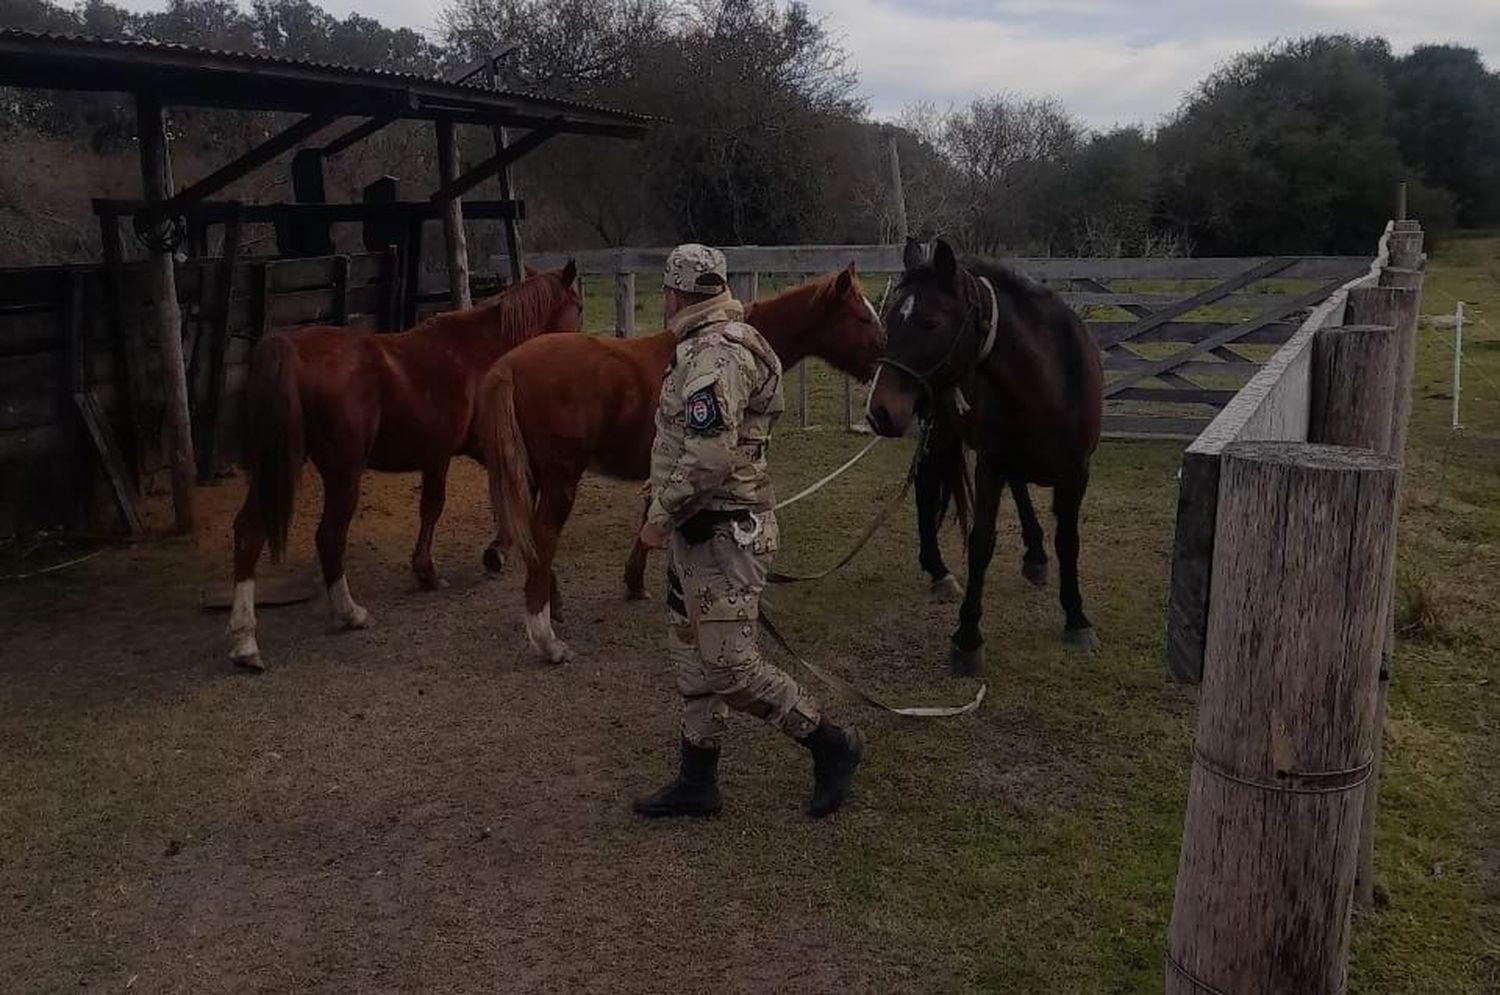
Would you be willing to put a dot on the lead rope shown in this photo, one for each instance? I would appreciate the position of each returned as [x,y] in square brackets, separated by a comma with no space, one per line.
[849,690]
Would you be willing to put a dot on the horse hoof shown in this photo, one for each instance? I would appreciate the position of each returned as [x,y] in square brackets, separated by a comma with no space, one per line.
[1036,573]
[557,652]
[250,661]
[1081,640]
[358,619]
[432,583]
[494,563]
[965,663]
[947,590]
[635,591]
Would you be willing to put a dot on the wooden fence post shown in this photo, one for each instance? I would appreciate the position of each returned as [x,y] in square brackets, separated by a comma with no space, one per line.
[1354,377]
[162,280]
[1264,886]
[454,239]
[1397,307]
[745,287]
[624,305]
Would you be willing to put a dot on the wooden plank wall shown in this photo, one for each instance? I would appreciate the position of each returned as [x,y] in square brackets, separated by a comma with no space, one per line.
[49,471]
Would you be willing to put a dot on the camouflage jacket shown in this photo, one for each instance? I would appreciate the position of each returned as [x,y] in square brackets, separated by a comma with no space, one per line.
[720,397]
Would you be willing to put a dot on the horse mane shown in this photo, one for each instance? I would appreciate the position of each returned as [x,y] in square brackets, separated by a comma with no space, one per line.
[511,316]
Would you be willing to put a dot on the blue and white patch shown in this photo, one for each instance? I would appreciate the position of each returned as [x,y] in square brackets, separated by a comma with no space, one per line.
[701,412]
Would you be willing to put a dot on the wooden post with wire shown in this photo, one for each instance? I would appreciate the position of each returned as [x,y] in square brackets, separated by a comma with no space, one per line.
[1283,744]
[1458,359]
[624,305]
[161,274]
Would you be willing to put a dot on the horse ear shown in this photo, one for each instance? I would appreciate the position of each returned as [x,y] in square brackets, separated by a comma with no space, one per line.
[844,281]
[913,256]
[528,271]
[945,262]
[570,273]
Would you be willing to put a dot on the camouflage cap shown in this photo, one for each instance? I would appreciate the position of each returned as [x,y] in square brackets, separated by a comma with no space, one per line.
[696,269]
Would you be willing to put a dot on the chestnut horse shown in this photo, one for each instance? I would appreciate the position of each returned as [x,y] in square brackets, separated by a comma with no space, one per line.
[1003,367]
[352,402]
[564,404]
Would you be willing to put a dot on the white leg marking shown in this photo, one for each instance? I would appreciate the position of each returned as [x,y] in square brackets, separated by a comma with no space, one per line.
[244,650]
[345,611]
[543,638]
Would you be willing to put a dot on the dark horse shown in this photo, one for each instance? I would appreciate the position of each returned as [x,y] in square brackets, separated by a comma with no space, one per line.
[1000,365]
[351,402]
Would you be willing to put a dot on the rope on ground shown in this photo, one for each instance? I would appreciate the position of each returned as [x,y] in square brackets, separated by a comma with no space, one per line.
[53,568]
[851,691]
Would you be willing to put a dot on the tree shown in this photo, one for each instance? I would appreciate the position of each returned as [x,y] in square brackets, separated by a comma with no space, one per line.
[1285,150]
[1447,122]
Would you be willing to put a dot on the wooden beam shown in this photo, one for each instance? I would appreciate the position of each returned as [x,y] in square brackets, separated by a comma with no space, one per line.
[468,181]
[455,241]
[218,212]
[162,277]
[247,163]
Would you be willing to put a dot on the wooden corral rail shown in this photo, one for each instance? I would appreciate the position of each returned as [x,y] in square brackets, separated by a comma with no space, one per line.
[1173,354]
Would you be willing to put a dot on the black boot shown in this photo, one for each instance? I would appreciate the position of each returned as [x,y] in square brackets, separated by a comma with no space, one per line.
[694,793]
[836,752]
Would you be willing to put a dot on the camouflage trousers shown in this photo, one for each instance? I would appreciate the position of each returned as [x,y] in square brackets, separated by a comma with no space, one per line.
[713,604]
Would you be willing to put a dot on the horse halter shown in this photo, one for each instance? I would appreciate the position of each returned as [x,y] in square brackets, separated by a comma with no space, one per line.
[986,346]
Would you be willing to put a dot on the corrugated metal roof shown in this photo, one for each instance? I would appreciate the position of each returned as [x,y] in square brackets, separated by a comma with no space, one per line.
[40,43]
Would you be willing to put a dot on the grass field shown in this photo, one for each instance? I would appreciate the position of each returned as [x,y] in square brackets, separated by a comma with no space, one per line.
[420,806]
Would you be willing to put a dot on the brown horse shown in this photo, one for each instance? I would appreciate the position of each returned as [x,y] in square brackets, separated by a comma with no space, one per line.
[352,402]
[564,404]
[1002,366]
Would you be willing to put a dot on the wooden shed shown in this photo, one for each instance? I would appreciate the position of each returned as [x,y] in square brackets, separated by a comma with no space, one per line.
[115,373]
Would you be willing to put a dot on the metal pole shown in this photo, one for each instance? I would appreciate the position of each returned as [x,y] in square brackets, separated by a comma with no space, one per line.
[1458,358]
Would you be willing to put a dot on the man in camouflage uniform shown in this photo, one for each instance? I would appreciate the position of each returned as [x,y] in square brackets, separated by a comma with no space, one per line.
[711,501]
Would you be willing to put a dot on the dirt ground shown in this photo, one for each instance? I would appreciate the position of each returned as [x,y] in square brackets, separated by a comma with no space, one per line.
[421,806]
[418,806]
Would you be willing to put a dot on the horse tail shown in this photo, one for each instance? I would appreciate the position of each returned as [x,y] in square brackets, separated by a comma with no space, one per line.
[507,461]
[276,439]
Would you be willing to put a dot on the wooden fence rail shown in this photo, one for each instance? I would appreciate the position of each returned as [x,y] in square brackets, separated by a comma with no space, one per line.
[1178,359]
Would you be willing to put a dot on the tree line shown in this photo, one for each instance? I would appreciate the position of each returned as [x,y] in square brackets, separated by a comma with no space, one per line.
[1297,147]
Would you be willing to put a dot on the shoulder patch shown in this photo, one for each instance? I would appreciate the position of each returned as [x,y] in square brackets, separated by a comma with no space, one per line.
[700,412]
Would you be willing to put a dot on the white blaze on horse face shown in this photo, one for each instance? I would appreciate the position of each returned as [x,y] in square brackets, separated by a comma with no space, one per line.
[908,306]
[341,603]
[242,621]
[542,637]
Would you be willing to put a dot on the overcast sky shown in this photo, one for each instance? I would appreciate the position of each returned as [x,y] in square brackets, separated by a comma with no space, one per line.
[1110,61]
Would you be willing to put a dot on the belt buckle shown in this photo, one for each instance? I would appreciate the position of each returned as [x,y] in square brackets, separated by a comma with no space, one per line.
[746,530]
